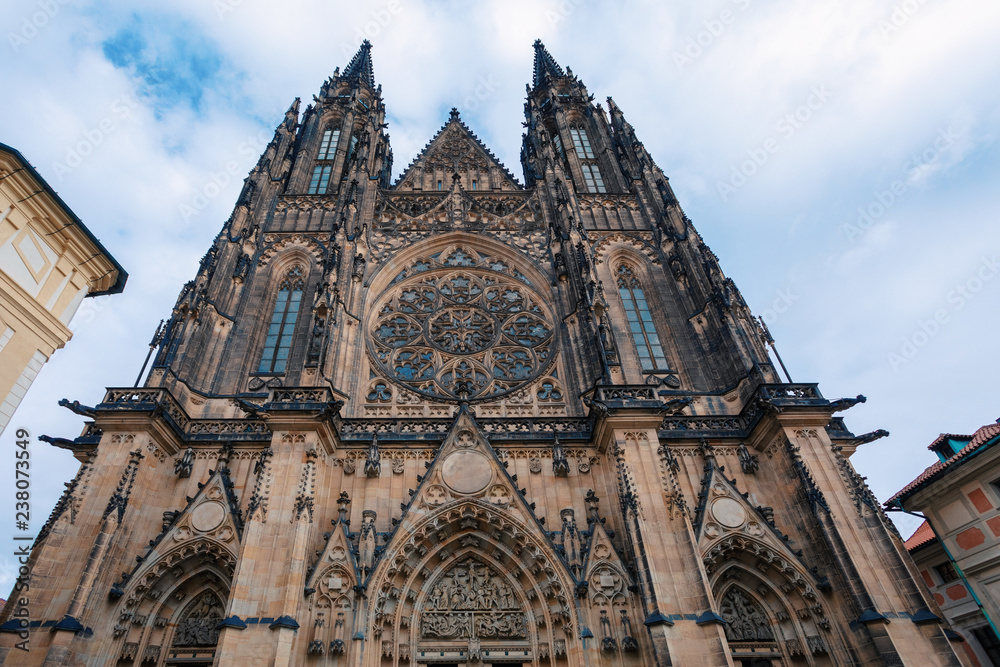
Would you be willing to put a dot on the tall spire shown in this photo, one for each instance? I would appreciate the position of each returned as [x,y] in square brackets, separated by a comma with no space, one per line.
[360,66]
[545,64]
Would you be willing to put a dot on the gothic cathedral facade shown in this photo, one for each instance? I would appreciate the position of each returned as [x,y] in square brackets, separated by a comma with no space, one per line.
[460,419]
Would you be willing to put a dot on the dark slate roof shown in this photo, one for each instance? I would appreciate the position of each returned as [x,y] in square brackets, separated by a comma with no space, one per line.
[984,437]
[119,283]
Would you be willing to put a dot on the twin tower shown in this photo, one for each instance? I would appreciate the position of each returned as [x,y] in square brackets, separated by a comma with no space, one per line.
[462,419]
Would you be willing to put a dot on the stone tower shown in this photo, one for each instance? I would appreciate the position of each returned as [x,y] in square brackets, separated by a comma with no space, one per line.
[463,420]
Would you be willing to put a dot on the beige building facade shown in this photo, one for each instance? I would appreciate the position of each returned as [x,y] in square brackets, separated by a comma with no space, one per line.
[958,546]
[49,262]
[460,419]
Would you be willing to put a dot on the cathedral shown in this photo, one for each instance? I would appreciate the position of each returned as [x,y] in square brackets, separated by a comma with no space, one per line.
[462,419]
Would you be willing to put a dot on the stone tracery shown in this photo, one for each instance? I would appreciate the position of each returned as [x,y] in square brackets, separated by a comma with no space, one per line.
[460,325]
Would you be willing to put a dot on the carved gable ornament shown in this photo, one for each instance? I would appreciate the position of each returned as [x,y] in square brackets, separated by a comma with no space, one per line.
[455,149]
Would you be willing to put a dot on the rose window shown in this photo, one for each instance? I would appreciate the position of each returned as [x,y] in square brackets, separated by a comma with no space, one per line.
[459,325]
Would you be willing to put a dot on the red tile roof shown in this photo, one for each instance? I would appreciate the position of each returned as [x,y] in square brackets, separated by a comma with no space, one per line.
[979,438]
[920,537]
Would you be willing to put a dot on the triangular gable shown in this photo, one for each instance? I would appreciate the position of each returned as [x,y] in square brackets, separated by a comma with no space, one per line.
[605,573]
[336,572]
[455,149]
[726,520]
[210,523]
[465,468]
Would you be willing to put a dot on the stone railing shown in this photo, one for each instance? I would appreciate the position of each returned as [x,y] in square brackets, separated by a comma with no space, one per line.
[143,399]
[284,397]
[500,429]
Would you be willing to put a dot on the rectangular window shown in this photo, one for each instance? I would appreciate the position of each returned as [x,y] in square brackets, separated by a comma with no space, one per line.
[946,571]
[640,321]
[988,640]
[439,185]
[278,343]
[592,178]
[581,143]
[328,147]
[320,179]
[354,147]
[474,184]
[557,140]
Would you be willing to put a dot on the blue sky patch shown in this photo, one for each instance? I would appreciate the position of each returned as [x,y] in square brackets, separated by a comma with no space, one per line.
[175,62]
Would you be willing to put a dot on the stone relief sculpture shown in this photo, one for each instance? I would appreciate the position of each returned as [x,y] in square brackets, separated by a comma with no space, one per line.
[472,601]
[198,627]
[745,620]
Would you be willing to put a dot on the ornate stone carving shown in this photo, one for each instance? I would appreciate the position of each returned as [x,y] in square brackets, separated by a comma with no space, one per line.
[460,325]
[472,601]
[745,620]
[198,625]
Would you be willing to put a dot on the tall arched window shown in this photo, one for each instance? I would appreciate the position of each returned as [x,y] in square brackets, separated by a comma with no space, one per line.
[592,178]
[279,332]
[640,320]
[328,147]
[320,181]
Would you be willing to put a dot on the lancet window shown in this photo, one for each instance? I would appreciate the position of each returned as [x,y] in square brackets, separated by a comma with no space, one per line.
[581,142]
[592,178]
[320,180]
[640,320]
[278,343]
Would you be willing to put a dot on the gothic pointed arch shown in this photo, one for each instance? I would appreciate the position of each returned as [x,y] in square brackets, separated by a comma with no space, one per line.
[331,587]
[195,555]
[467,521]
[754,573]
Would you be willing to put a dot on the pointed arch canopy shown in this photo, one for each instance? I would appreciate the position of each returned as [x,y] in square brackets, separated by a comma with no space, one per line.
[525,593]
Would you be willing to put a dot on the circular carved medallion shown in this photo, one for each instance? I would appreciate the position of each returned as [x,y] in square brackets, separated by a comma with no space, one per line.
[207,516]
[460,325]
[466,472]
[728,512]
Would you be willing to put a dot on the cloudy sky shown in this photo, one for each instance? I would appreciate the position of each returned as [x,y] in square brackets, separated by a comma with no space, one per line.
[840,158]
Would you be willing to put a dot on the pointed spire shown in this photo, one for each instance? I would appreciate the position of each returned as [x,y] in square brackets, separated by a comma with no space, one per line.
[360,66]
[545,65]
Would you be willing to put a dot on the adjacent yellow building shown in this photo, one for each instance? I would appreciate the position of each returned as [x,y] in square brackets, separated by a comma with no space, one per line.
[49,262]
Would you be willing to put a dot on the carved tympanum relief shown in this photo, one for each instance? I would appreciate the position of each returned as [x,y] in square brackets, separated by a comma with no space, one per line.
[745,621]
[472,601]
[198,627]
